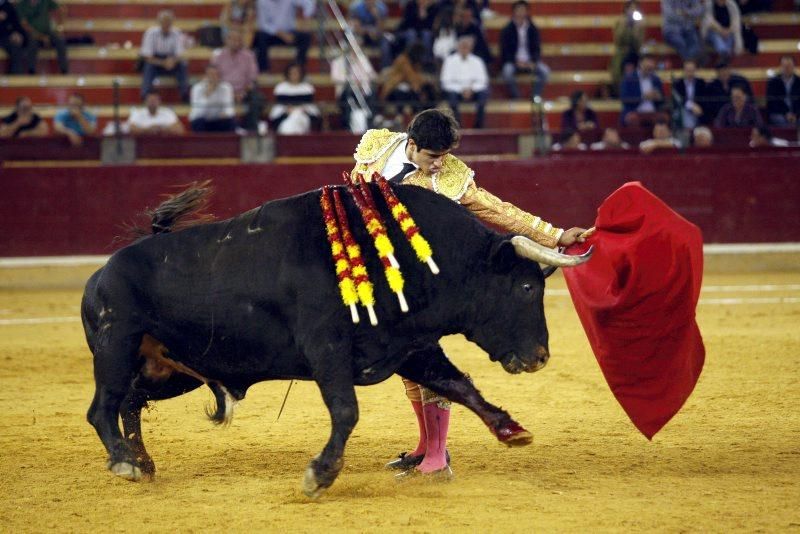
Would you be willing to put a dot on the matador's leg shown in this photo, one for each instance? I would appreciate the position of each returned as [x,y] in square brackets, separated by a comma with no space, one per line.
[436,410]
[408,460]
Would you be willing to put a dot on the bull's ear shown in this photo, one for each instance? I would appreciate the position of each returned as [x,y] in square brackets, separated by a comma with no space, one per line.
[503,256]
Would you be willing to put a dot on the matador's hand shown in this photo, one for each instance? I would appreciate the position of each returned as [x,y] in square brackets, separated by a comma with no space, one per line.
[574,235]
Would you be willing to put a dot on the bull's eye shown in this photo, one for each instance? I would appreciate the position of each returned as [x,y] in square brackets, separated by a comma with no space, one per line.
[527,287]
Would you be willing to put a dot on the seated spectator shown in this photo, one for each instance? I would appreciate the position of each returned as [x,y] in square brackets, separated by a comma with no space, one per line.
[236,65]
[570,140]
[239,15]
[35,16]
[13,38]
[783,95]
[276,24]
[406,85]
[754,6]
[641,92]
[416,26]
[74,121]
[153,118]
[680,20]
[628,41]
[762,137]
[738,113]
[688,92]
[348,72]
[702,137]
[162,53]
[212,104]
[722,27]
[610,140]
[718,92]
[579,116]
[467,23]
[23,121]
[662,138]
[367,18]
[464,78]
[521,50]
[294,110]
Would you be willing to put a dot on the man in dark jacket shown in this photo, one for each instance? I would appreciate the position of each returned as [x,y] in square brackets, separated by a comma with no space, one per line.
[783,95]
[13,38]
[520,50]
[689,93]
[641,92]
[718,92]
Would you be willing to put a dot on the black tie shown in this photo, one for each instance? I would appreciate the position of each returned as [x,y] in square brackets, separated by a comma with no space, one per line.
[407,168]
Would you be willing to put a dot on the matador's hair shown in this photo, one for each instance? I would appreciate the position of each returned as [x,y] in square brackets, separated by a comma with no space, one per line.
[435,130]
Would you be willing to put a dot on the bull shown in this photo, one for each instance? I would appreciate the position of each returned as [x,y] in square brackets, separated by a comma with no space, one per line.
[255,298]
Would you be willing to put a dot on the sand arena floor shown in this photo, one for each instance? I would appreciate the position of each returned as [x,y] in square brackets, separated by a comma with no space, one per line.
[729,461]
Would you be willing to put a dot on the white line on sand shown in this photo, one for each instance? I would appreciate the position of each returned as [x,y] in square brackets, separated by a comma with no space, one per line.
[39,320]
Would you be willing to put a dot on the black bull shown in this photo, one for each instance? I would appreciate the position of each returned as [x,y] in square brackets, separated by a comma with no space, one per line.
[255,298]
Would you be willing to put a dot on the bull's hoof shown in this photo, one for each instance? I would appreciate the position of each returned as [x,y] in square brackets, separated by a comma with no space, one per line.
[127,471]
[311,488]
[513,435]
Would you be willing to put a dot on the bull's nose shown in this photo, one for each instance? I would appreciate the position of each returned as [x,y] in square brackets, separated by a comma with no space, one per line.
[542,356]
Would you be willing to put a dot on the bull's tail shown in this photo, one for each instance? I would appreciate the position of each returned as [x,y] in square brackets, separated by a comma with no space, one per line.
[221,413]
[179,211]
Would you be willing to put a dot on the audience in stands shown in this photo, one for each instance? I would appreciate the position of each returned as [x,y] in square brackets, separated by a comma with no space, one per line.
[153,118]
[239,15]
[610,140]
[162,54]
[236,64]
[367,19]
[628,41]
[212,104]
[37,18]
[641,92]
[23,121]
[464,78]
[738,113]
[662,138]
[349,71]
[762,137]
[783,95]
[75,121]
[718,92]
[689,94]
[406,85]
[521,50]
[702,137]
[416,26]
[754,6]
[680,20]
[13,38]
[276,24]
[579,116]
[294,111]
[570,140]
[468,23]
[445,37]
[722,28]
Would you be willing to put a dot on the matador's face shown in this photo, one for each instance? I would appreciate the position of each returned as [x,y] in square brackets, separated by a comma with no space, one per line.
[429,161]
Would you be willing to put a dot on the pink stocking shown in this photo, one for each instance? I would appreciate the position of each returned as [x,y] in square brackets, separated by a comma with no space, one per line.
[423,435]
[437,422]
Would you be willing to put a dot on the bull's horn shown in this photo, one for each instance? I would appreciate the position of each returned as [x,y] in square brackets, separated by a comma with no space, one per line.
[531,250]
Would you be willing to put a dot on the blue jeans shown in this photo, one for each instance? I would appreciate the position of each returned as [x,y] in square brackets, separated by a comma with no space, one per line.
[480,98]
[722,45]
[685,39]
[541,74]
[150,72]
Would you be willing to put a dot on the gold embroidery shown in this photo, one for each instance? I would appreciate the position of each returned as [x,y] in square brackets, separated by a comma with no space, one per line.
[373,151]
[454,178]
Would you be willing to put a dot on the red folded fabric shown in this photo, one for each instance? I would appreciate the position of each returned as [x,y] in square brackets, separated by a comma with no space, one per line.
[636,299]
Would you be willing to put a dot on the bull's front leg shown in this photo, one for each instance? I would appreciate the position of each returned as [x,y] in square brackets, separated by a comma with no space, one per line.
[431,368]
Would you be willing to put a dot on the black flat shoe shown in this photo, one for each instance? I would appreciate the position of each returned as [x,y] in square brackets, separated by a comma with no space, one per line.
[405,461]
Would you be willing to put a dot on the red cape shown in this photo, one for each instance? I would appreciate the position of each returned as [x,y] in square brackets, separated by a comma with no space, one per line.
[636,298]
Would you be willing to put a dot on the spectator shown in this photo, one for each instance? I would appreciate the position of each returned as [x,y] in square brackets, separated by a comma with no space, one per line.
[406,84]
[579,116]
[570,141]
[162,53]
[738,113]
[294,110]
[702,136]
[718,92]
[276,24]
[688,92]
[662,138]
[762,136]
[783,95]
[467,23]
[520,50]
[23,121]
[641,92]
[628,41]
[754,6]
[153,118]
[444,35]
[610,140]
[74,121]
[212,104]
[349,71]
[13,38]
[417,25]
[366,20]
[236,64]
[239,15]
[722,27]
[35,16]
[680,22]
[464,78]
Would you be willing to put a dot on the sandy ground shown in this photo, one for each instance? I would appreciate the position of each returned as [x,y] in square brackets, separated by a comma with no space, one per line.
[729,461]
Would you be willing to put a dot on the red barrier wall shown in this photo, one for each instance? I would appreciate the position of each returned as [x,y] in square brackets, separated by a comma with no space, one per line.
[733,197]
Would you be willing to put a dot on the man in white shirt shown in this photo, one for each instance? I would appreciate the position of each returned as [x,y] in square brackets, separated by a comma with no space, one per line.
[464,79]
[153,119]
[162,53]
[276,24]
[212,104]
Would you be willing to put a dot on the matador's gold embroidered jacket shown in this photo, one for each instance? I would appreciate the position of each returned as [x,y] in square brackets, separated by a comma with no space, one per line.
[455,181]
